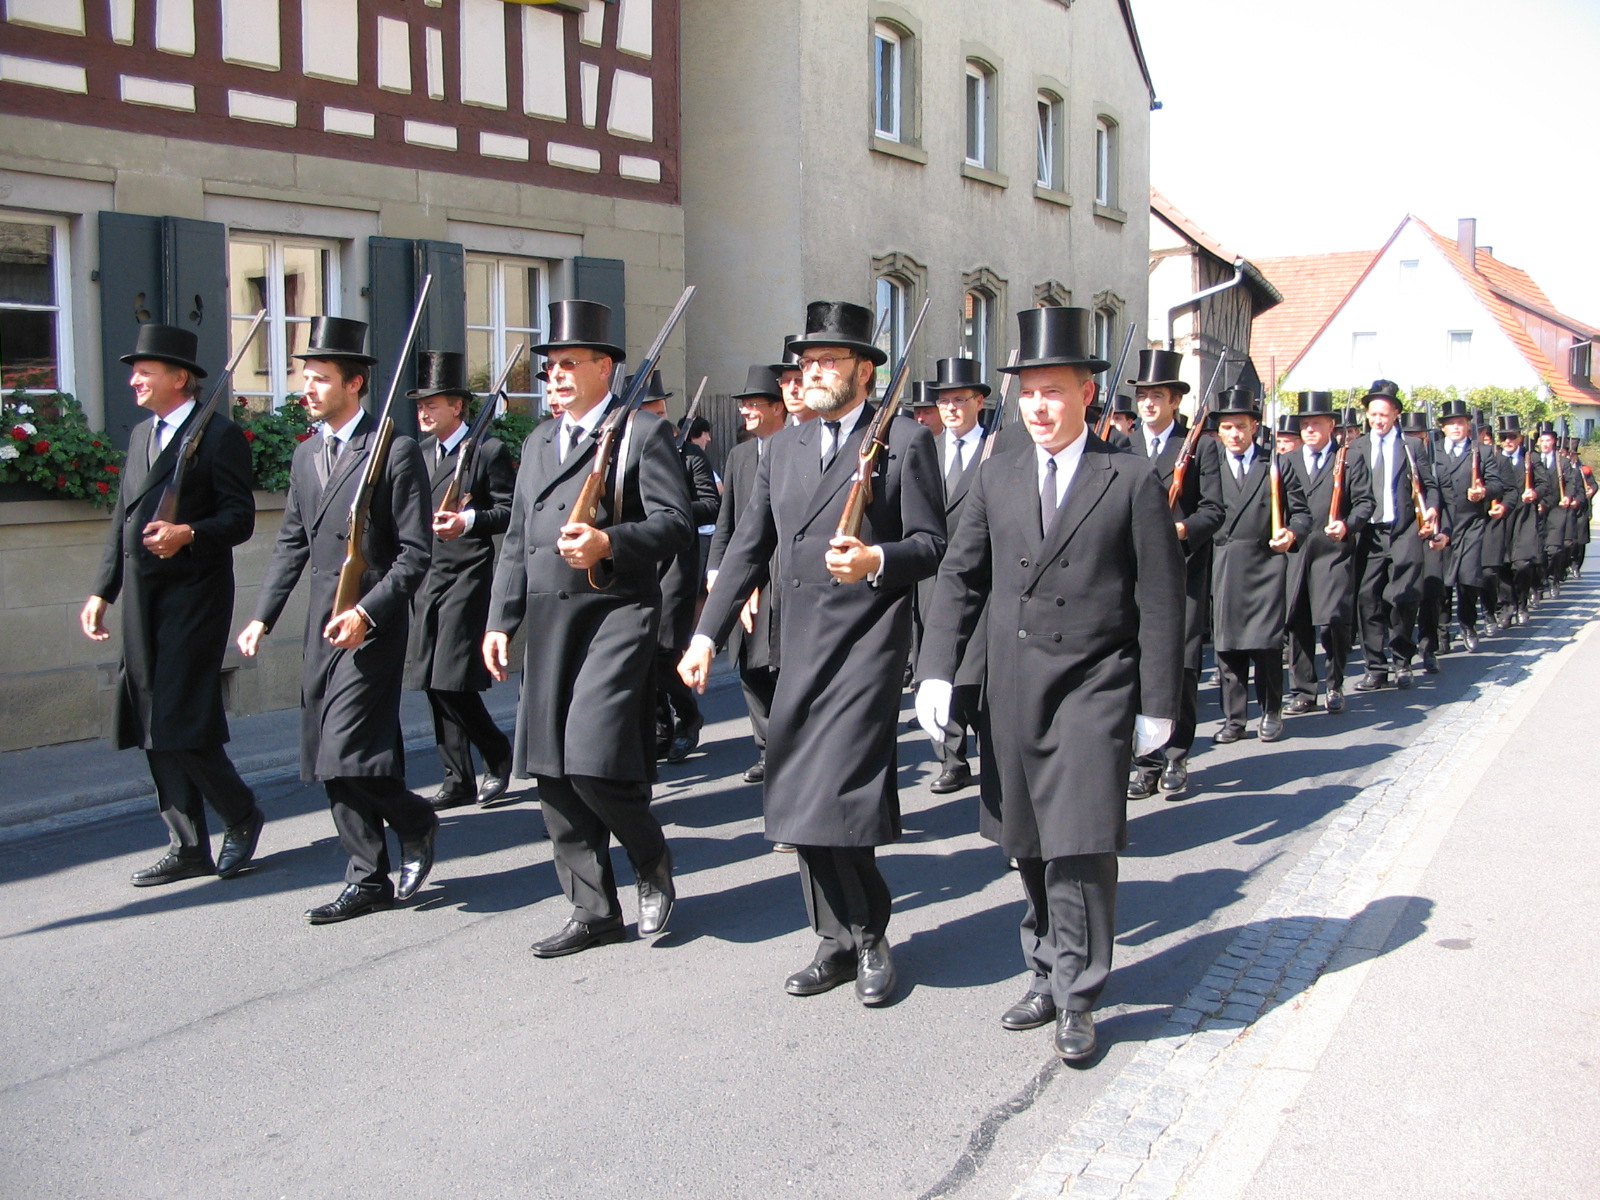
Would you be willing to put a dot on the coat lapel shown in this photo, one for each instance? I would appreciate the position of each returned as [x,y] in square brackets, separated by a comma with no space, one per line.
[159,470]
[1246,489]
[840,472]
[1089,484]
[353,457]
[557,473]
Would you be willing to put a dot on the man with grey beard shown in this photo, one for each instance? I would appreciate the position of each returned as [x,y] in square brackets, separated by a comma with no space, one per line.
[831,770]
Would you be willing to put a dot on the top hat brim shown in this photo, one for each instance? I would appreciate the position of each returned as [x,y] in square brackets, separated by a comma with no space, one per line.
[783,368]
[193,368]
[1094,365]
[327,355]
[1176,385]
[424,393]
[615,353]
[982,389]
[874,354]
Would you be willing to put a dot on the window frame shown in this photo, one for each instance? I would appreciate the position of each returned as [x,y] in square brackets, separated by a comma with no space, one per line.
[1104,330]
[1047,145]
[885,34]
[497,329]
[892,339]
[1580,361]
[1105,161]
[61,285]
[976,70]
[982,346]
[277,323]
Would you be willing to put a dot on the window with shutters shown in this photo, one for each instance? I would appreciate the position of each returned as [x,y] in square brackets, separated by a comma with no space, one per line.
[294,279]
[35,320]
[507,302]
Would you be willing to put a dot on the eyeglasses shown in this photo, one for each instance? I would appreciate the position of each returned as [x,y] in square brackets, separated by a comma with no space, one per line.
[825,362]
[958,401]
[569,365]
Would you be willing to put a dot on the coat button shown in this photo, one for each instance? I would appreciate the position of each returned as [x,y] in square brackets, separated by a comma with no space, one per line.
[799,537]
[796,583]
[538,506]
[1055,637]
[1023,563]
[1022,633]
[1060,602]
[561,595]
[562,507]
[1025,599]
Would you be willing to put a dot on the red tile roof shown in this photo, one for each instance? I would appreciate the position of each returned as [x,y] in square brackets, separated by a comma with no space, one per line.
[1314,286]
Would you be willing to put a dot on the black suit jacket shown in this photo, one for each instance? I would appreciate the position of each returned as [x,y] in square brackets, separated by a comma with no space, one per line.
[1249,580]
[1200,510]
[1322,571]
[758,648]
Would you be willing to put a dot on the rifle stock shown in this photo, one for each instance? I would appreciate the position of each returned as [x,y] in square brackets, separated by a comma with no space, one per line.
[1275,478]
[1180,469]
[1336,504]
[1416,489]
[876,441]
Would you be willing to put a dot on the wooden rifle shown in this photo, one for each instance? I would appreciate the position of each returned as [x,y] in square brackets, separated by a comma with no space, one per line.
[1336,505]
[1111,389]
[1477,464]
[876,441]
[167,506]
[1416,486]
[694,411]
[586,511]
[999,416]
[456,497]
[1275,479]
[348,592]
[1191,440]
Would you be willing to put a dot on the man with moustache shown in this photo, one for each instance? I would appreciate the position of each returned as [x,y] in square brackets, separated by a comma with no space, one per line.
[350,688]
[1469,485]
[1390,557]
[1070,547]
[451,608]
[175,579]
[591,598]
[1159,438]
[761,410]
[831,786]
[1322,571]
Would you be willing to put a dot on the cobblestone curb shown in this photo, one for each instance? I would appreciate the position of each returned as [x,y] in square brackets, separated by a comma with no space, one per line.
[1150,1126]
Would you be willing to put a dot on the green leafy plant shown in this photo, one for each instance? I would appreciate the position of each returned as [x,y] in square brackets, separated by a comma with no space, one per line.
[45,440]
[513,429]
[273,437]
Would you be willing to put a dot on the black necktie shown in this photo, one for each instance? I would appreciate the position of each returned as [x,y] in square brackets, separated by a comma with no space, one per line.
[1047,496]
[1238,467]
[574,435]
[444,453]
[833,443]
[155,440]
[952,477]
[325,460]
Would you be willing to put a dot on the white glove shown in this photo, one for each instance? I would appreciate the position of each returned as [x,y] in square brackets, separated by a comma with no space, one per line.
[933,707]
[1150,734]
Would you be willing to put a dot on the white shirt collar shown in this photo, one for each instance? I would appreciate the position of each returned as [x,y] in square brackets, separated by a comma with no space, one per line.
[1159,435]
[455,439]
[589,422]
[346,431]
[177,416]
[1066,460]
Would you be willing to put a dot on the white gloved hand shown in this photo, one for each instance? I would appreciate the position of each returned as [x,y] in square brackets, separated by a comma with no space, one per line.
[1150,734]
[933,707]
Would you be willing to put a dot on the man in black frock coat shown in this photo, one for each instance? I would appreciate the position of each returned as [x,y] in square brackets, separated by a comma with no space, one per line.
[590,596]
[176,582]
[1070,546]
[1469,485]
[1322,569]
[351,683]
[451,608]
[750,643]
[846,632]
[1528,488]
[1159,437]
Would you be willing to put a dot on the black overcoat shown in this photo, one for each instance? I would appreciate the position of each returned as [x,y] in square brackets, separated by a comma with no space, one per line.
[350,699]
[831,769]
[1521,535]
[1085,631]
[759,647]
[1249,581]
[1406,547]
[681,583]
[1466,520]
[588,696]
[1320,567]
[1200,509]
[970,671]
[176,612]
[451,608]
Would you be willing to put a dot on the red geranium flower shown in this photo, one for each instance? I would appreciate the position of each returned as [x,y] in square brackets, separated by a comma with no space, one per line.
[113,468]
[96,445]
[41,447]
[300,437]
[18,432]
[104,489]
[249,435]
[61,481]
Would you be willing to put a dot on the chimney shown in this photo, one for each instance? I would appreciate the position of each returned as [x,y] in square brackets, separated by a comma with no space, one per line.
[1467,240]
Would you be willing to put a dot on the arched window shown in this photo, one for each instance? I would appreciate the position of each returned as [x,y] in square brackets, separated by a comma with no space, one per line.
[980,115]
[889,71]
[1048,149]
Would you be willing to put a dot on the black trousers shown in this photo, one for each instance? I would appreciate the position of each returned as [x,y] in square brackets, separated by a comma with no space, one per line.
[1388,595]
[676,705]
[952,748]
[1233,673]
[1069,926]
[1303,650]
[1182,741]
[582,814]
[1467,598]
[1516,582]
[361,806]
[846,898]
[758,684]
[461,721]
[185,780]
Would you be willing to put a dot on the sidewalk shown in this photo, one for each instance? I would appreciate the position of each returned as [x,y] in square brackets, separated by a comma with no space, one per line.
[1412,1013]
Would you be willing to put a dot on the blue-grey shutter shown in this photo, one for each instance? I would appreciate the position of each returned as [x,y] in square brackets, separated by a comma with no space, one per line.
[602,279]
[396,267]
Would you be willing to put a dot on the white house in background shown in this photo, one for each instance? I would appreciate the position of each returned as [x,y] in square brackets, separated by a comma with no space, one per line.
[1424,310]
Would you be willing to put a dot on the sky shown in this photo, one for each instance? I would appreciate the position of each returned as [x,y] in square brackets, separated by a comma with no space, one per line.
[1302,126]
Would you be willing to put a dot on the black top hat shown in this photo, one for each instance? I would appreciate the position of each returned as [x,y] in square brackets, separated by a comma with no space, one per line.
[337,338]
[542,375]
[1056,337]
[653,390]
[1160,368]
[1414,422]
[576,324]
[1349,418]
[839,323]
[921,396]
[1316,404]
[440,373]
[1094,412]
[1289,423]
[1510,423]
[1451,409]
[1210,425]
[168,344]
[1237,401]
[1123,403]
[762,381]
[1382,389]
[954,373]
[790,355]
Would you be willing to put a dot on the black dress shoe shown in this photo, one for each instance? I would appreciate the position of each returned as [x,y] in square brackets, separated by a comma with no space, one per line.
[239,845]
[875,974]
[756,772]
[1522,615]
[354,901]
[579,935]
[173,867]
[1075,1040]
[1142,783]
[952,779]
[1298,704]
[783,848]
[656,896]
[1469,639]
[451,798]
[496,779]
[684,744]
[1271,727]
[1033,1010]
[822,975]
[1228,734]
[1175,777]
[1372,681]
[1335,700]
[416,860]
[1403,678]
[1430,663]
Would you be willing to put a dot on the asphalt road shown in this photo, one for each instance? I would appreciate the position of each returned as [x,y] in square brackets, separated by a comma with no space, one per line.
[201,1040]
